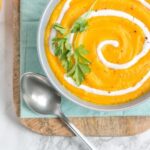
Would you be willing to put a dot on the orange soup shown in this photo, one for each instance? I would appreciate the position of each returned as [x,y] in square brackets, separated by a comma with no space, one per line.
[118,41]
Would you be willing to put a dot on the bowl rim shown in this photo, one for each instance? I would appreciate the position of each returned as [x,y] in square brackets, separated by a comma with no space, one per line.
[58,86]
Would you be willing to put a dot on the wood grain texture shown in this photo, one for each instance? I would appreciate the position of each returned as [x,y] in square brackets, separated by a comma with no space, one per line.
[102,126]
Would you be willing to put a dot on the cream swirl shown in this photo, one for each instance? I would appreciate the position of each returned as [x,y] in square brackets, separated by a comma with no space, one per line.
[145,3]
[146,46]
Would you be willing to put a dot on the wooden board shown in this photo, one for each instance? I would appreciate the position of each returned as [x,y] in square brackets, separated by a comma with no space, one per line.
[102,126]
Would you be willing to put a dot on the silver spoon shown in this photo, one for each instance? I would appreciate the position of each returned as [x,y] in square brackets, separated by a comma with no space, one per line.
[41,98]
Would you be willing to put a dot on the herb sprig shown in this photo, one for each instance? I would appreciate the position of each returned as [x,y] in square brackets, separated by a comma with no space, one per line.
[80,25]
[81,66]
[75,64]
[63,51]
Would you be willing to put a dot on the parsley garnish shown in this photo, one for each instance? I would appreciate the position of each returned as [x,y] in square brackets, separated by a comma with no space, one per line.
[75,64]
[59,28]
[80,25]
[63,51]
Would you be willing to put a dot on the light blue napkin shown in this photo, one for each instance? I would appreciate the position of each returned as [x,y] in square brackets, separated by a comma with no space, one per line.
[31,11]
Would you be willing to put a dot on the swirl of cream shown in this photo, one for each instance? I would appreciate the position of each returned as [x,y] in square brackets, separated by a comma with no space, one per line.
[146,46]
[145,3]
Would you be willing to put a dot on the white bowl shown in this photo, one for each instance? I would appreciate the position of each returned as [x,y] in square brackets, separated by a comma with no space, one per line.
[57,85]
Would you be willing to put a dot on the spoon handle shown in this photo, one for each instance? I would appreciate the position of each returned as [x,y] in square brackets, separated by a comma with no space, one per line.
[76,131]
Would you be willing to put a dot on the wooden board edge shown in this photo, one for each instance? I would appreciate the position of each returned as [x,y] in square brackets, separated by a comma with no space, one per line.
[104,126]
[16,67]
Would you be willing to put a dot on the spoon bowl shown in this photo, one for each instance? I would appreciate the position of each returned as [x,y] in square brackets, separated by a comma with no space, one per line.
[38,94]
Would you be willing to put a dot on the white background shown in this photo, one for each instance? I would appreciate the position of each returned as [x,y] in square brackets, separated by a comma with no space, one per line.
[13,136]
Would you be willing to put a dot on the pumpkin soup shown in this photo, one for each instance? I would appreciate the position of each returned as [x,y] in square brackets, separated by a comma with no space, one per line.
[100,49]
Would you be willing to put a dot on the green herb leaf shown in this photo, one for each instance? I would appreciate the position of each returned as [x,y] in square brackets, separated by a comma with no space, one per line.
[58,45]
[78,76]
[80,25]
[85,68]
[71,71]
[67,45]
[59,28]
[81,50]
[63,51]
[81,67]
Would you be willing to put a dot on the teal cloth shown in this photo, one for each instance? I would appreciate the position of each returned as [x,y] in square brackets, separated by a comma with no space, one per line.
[31,11]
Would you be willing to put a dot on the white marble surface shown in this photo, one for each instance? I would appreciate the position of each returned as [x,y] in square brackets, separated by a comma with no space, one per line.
[13,136]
